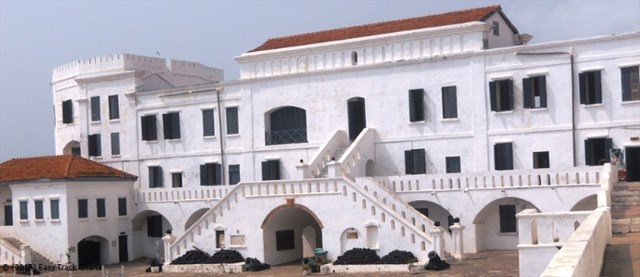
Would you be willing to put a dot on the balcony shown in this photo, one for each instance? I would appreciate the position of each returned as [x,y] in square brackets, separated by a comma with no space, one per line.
[285,136]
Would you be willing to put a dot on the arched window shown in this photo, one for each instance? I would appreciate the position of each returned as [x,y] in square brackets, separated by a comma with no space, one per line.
[286,125]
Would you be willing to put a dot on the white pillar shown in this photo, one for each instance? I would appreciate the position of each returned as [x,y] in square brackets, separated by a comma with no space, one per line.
[458,247]
[333,169]
[302,170]
[436,234]
[168,239]
[25,254]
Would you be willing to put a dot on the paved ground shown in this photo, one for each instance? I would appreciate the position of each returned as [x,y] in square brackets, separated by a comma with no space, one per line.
[622,257]
[491,263]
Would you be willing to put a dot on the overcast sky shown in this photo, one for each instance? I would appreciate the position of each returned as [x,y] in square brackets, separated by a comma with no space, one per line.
[35,37]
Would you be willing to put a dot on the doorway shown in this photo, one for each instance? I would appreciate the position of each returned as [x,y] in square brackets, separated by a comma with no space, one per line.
[633,163]
[88,253]
[123,249]
[357,117]
[8,215]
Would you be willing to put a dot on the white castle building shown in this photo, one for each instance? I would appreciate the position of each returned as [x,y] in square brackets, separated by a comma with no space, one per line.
[354,137]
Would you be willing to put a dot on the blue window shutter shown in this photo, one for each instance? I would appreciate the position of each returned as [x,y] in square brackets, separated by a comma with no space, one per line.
[408,162]
[597,86]
[542,85]
[492,95]
[510,90]
[527,93]
[203,175]
[583,87]
[218,173]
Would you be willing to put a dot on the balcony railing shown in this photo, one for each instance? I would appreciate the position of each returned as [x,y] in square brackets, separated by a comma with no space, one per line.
[285,136]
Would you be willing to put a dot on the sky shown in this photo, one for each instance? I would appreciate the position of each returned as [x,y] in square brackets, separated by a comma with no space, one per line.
[36,36]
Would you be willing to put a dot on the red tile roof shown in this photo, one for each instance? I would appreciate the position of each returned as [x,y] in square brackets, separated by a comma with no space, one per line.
[56,167]
[450,18]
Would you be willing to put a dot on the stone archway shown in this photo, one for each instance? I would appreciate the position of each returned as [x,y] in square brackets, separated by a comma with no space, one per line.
[286,231]
[93,251]
[496,224]
[194,217]
[148,228]
[588,203]
[433,211]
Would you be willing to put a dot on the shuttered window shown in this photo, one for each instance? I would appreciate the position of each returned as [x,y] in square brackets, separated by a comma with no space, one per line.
[597,151]
[55,208]
[67,111]
[449,102]
[415,161]
[101,207]
[148,126]
[39,205]
[155,177]
[232,120]
[95,108]
[453,164]
[271,170]
[115,144]
[176,179]
[416,105]
[590,87]
[630,80]
[83,209]
[114,109]
[154,226]
[24,212]
[208,124]
[503,156]
[501,95]
[507,218]
[210,174]
[234,174]
[95,149]
[171,125]
[541,159]
[534,90]
[122,206]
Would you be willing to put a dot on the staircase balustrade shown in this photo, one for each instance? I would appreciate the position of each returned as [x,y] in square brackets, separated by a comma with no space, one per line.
[318,162]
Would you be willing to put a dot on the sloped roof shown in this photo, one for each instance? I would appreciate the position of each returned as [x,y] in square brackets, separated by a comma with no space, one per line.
[56,168]
[430,21]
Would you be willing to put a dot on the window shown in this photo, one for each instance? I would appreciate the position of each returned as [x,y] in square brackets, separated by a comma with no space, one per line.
[149,131]
[115,144]
[596,151]
[171,124]
[495,27]
[155,177]
[534,90]
[39,209]
[24,212]
[114,109]
[83,208]
[154,226]
[234,174]
[94,146]
[232,120]
[271,170]
[95,108]
[414,161]
[416,105]
[354,58]
[449,102]
[176,179]
[101,208]
[590,88]
[541,159]
[67,111]
[630,83]
[122,206]
[208,124]
[210,174]
[55,208]
[507,218]
[503,156]
[501,94]
[75,151]
[284,240]
[453,164]
[286,125]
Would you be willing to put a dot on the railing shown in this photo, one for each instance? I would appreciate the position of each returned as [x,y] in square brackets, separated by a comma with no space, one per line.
[492,179]
[338,140]
[582,253]
[353,161]
[200,193]
[9,254]
[285,136]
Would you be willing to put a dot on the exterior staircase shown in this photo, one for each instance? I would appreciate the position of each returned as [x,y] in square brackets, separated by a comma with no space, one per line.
[36,257]
[324,172]
[625,208]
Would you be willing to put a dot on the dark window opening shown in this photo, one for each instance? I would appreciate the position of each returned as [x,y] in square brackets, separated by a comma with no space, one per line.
[495,27]
[508,218]
[234,174]
[219,239]
[67,111]
[271,170]
[149,128]
[287,125]
[95,108]
[354,58]
[534,90]
[24,212]
[541,159]
[210,174]
[453,164]
[503,156]
[208,123]
[449,102]
[83,208]
[101,207]
[416,105]
[154,226]
[155,177]
[122,206]
[590,87]
[176,179]
[232,120]
[39,209]
[75,151]
[114,109]
[415,161]
[501,95]
[115,144]
[171,125]
[630,83]
[597,150]
[284,240]
[95,149]
[55,208]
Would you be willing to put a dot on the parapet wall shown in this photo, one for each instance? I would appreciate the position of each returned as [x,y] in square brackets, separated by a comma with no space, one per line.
[122,62]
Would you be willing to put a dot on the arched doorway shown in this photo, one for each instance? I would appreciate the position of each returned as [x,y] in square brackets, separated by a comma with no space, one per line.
[434,212]
[370,168]
[194,217]
[357,116]
[93,251]
[496,224]
[148,228]
[588,203]
[287,231]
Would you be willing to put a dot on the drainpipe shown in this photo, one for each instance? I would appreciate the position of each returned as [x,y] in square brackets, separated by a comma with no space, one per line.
[221,143]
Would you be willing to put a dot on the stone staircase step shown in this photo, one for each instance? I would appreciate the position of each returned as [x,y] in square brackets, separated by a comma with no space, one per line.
[36,257]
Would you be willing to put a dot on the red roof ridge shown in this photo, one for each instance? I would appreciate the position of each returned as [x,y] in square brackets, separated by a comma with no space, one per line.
[368,29]
[68,168]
